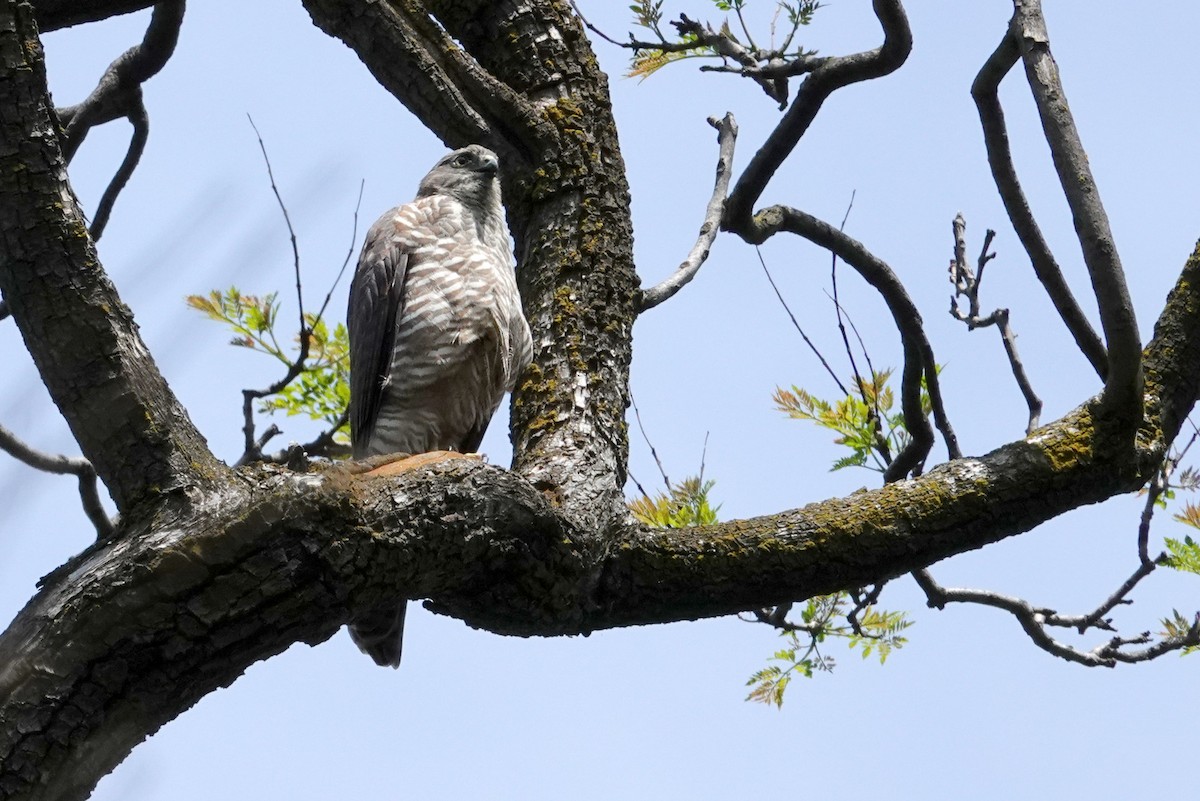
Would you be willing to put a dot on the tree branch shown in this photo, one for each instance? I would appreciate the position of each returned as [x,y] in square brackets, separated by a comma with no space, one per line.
[54,14]
[433,77]
[277,557]
[63,465]
[831,75]
[81,336]
[985,91]
[1123,383]
[118,92]
[918,354]
[686,271]
[966,283]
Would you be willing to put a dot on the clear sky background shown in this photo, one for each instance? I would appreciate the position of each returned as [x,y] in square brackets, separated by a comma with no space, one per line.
[968,709]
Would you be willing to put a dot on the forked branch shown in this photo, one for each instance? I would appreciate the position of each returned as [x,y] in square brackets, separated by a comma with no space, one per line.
[63,465]
[119,94]
[832,74]
[966,284]
[1123,383]
[985,90]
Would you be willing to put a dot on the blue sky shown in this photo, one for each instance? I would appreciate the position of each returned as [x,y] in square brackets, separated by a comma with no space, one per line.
[968,709]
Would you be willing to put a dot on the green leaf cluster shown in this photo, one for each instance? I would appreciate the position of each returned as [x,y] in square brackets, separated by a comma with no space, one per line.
[1183,554]
[1178,627]
[825,616]
[683,504]
[321,391]
[865,423]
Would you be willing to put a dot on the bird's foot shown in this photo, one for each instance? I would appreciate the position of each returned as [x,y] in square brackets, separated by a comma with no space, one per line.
[394,464]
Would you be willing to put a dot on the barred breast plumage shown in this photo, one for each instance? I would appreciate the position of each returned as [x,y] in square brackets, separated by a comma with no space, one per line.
[437,335]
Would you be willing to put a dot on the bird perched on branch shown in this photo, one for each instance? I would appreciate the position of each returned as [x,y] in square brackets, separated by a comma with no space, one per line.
[437,335]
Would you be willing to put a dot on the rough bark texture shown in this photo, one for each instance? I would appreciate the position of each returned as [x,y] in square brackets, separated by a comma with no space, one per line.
[211,571]
[82,337]
[54,14]
[568,202]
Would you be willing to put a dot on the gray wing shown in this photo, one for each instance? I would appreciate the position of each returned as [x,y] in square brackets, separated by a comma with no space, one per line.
[376,303]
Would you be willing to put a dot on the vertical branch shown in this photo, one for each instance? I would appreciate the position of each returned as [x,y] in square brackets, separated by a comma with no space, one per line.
[985,91]
[1123,385]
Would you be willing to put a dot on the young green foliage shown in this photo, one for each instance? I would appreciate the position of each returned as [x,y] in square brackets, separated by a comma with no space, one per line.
[693,40]
[867,426]
[683,504]
[1183,554]
[865,423]
[321,391]
[878,632]
[1177,626]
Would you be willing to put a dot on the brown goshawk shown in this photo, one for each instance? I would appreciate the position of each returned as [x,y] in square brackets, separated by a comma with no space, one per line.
[436,332]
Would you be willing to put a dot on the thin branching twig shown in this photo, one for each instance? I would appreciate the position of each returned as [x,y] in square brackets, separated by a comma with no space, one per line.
[79,467]
[966,284]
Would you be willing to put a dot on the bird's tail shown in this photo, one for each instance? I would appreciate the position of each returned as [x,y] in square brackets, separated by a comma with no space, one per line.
[380,634]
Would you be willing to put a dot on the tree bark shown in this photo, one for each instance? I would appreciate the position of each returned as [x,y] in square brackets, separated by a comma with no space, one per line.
[213,569]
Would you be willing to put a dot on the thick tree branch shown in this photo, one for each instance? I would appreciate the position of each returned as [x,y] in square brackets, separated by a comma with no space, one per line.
[1123,382]
[445,87]
[985,91]
[831,75]
[277,557]
[54,14]
[686,271]
[119,90]
[81,336]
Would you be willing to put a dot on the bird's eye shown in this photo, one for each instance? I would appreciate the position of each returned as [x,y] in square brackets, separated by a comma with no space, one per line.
[461,160]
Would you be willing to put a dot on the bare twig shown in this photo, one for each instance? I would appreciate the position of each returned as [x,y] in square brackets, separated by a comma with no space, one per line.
[253,447]
[63,465]
[862,601]
[4,312]
[796,324]
[874,413]
[726,139]
[1123,383]
[1096,619]
[324,445]
[777,618]
[1035,620]
[966,284]
[985,91]
[661,470]
[304,333]
[349,255]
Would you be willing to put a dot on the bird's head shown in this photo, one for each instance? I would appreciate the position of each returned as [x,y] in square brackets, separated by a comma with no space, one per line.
[468,174]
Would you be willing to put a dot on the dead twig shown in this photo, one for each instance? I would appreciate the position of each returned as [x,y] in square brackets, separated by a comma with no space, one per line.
[966,284]
[687,269]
